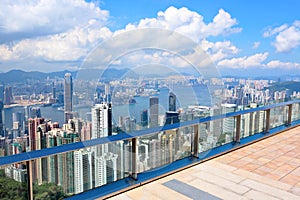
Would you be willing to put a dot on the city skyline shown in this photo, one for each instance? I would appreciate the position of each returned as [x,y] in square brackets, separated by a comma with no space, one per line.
[251,36]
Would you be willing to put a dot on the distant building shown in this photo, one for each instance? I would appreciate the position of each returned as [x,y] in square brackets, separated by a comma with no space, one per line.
[1,118]
[53,91]
[8,97]
[101,120]
[35,112]
[153,111]
[68,96]
[172,102]
[228,123]
[144,117]
[172,117]
[2,93]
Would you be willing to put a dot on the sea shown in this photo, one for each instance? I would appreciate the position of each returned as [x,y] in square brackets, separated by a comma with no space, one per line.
[185,96]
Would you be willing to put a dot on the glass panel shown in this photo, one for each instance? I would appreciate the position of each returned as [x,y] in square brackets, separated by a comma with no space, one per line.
[206,138]
[228,131]
[278,116]
[295,112]
[78,171]
[164,147]
[252,123]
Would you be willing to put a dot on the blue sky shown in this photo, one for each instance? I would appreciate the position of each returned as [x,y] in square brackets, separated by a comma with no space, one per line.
[240,36]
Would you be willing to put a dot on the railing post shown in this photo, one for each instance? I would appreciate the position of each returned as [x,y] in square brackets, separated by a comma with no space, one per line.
[196,141]
[29,179]
[134,156]
[289,121]
[238,129]
[268,112]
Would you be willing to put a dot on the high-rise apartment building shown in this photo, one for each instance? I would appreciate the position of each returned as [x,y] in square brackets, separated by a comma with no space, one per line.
[101,120]
[228,123]
[153,111]
[68,96]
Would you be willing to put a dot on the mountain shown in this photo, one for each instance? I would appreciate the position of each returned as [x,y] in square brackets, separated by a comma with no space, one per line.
[289,85]
[19,76]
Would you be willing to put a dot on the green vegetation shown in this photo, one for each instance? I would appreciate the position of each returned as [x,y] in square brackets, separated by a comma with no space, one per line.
[11,189]
[48,191]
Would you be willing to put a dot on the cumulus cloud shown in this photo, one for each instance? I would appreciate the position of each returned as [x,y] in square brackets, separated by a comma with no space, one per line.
[66,31]
[286,37]
[270,32]
[25,19]
[70,46]
[284,65]
[190,23]
[245,62]
[219,50]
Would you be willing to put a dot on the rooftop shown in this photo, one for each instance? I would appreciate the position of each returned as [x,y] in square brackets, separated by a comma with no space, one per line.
[268,169]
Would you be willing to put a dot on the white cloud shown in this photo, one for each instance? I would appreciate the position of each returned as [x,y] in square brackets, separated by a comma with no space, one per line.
[25,19]
[257,60]
[286,37]
[270,32]
[284,65]
[69,46]
[190,23]
[72,35]
[256,45]
[245,62]
[219,50]
[5,53]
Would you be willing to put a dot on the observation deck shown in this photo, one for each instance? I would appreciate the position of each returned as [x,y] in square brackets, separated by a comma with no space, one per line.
[250,153]
[268,169]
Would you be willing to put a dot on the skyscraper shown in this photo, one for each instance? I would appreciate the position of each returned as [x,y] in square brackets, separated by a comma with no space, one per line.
[153,111]
[144,118]
[1,118]
[35,112]
[2,93]
[101,120]
[172,102]
[8,97]
[68,96]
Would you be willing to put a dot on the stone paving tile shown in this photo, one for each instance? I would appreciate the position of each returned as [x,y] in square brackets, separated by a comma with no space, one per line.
[121,197]
[291,179]
[141,194]
[252,194]
[263,179]
[220,165]
[239,163]
[218,171]
[295,190]
[296,171]
[215,190]
[164,192]
[269,190]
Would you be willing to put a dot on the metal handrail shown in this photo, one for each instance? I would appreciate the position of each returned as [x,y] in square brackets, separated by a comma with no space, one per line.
[32,155]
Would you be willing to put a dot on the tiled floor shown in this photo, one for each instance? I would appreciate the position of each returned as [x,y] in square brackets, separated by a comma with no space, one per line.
[269,169]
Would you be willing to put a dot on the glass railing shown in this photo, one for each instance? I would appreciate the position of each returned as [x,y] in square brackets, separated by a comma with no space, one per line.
[63,166]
